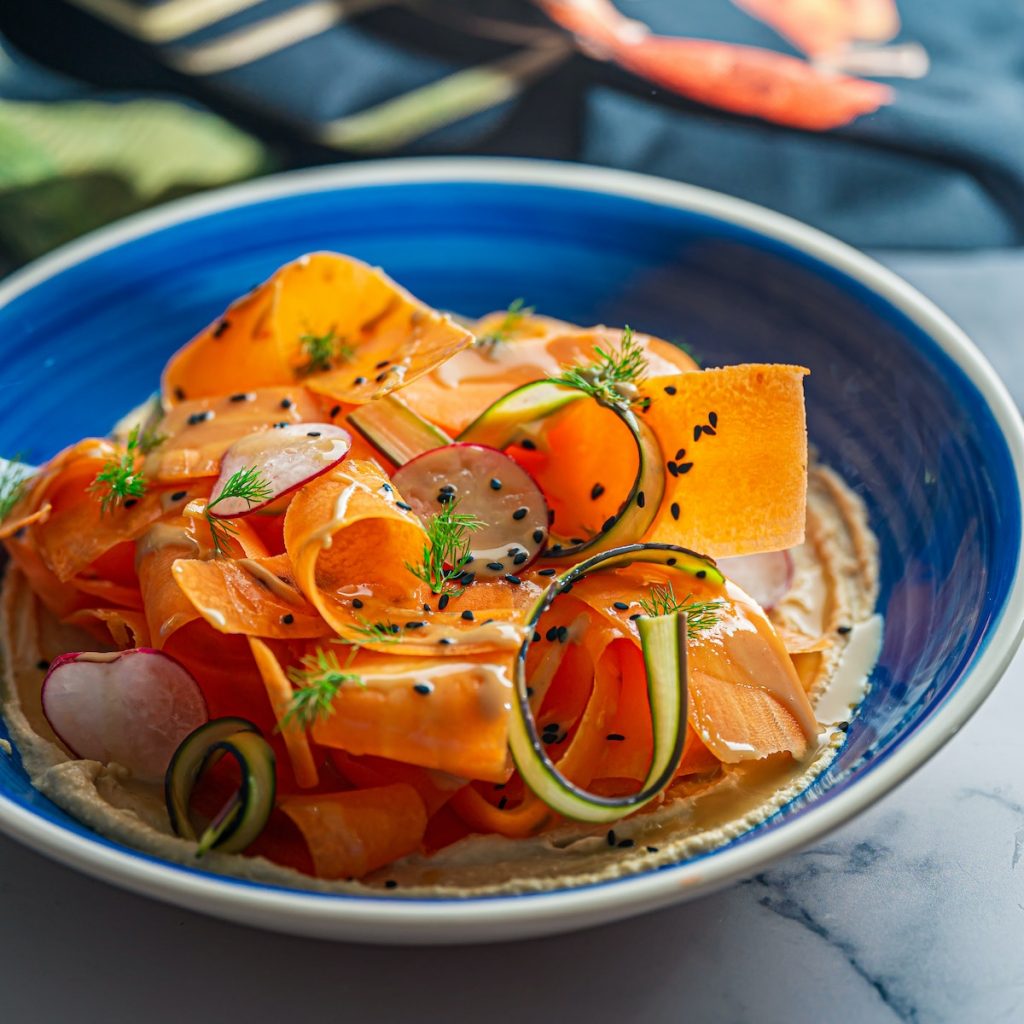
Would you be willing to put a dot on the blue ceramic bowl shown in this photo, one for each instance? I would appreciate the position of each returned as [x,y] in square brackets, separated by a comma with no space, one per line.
[899,402]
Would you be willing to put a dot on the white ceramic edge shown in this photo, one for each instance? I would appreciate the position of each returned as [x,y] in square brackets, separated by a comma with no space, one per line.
[393,920]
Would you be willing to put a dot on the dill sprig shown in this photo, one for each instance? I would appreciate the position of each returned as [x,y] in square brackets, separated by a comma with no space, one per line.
[385,632]
[509,325]
[318,679]
[614,377]
[700,615]
[119,480]
[323,352]
[247,484]
[447,549]
[13,480]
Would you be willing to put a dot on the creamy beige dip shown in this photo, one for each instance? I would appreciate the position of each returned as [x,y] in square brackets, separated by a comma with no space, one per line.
[829,612]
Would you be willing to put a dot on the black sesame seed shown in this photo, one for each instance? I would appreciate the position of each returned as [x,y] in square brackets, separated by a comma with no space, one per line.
[624,843]
[697,430]
[359,380]
[467,615]
[312,433]
[405,507]
[713,418]
[446,640]
[652,849]
[680,454]
[536,636]
[423,688]
[242,396]
[179,495]
[288,618]
[596,491]
[621,605]
[529,691]
[286,403]
[42,665]
[685,467]
[427,608]
[381,377]
[503,803]
[390,884]
[200,417]
[382,364]
[527,444]
[634,617]
[700,574]
[393,627]
[467,578]
[547,572]
[563,634]
[520,513]
[670,389]
[671,561]
[672,468]
[843,630]
[641,499]
[129,502]
[495,484]
[387,487]
[611,837]
[334,411]
[551,634]
[448,489]
[281,425]
[556,548]
[445,497]
[415,625]
[538,536]
[442,602]
[551,516]
[179,394]
[520,558]
[221,328]
[607,525]
[674,509]
[514,580]
[709,430]
[496,566]
[615,736]
[356,603]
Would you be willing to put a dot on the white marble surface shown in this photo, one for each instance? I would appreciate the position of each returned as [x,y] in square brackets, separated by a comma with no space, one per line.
[914,912]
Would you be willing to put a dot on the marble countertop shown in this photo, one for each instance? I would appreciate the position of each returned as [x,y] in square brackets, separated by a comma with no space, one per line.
[913,912]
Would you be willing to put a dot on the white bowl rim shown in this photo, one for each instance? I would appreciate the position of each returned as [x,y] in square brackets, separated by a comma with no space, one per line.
[387,918]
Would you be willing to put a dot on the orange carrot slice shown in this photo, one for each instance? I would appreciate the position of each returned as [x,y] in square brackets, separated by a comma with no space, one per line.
[280,692]
[123,627]
[366,772]
[351,834]
[450,714]
[735,441]
[254,596]
[379,336]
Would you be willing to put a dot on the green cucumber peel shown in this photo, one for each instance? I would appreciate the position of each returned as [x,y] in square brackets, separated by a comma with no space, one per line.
[245,816]
[663,640]
[395,430]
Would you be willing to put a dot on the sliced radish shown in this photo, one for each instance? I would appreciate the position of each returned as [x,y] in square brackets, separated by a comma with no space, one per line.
[133,707]
[488,484]
[766,577]
[286,457]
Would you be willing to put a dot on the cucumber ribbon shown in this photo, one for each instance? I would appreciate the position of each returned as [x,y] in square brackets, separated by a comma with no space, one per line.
[663,640]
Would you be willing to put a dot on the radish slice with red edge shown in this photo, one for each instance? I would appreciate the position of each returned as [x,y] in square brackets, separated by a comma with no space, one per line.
[488,484]
[285,457]
[133,707]
[765,577]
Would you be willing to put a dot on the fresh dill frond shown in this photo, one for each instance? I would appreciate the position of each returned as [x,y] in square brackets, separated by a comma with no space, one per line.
[318,679]
[514,315]
[385,632]
[447,549]
[700,615]
[119,480]
[615,376]
[247,484]
[323,352]
[13,480]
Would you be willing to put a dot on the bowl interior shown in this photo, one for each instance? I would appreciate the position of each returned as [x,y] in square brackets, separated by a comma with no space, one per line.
[887,407]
